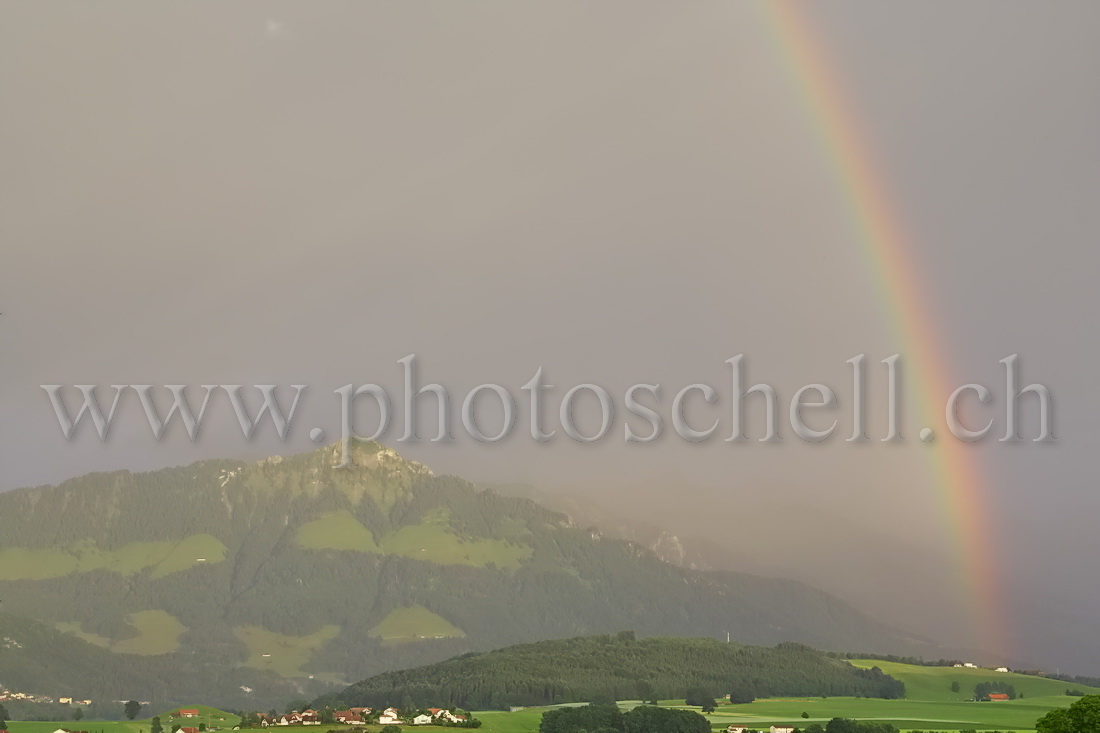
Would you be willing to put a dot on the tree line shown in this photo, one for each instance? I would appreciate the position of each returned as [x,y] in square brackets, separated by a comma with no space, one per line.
[608,718]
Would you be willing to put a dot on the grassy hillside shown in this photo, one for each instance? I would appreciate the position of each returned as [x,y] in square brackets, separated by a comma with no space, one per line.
[934,683]
[282,653]
[154,632]
[615,667]
[159,558]
[412,623]
[37,658]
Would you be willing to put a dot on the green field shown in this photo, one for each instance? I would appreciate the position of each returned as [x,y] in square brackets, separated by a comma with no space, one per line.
[281,653]
[156,632]
[161,558]
[431,541]
[930,704]
[337,530]
[414,623]
[905,714]
[934,683]
[213,718]
[439,545]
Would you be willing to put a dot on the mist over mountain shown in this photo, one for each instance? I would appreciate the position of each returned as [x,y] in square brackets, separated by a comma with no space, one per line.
[289,576]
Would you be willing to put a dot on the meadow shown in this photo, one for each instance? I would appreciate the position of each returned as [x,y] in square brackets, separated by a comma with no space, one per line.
[213,718]
[1017,715]
[155,632]
[934,683]
[413,623]
[930,704]
[431,541]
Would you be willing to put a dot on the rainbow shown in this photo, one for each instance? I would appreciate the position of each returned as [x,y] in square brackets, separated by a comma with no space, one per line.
[956,473]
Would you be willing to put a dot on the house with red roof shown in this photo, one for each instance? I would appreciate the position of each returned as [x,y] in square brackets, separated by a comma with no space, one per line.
[347,716]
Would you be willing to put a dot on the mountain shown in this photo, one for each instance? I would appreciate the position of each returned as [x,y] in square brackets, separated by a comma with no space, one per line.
[617,667]
[288,574]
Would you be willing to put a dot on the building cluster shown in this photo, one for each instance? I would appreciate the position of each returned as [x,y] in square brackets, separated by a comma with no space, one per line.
[7,695]
[971,665]
[358,716]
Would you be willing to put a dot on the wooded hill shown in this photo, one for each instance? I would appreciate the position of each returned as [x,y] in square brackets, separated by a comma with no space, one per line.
[617,667]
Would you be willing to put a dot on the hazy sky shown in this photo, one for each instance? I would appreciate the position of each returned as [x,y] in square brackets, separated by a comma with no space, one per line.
[616,192]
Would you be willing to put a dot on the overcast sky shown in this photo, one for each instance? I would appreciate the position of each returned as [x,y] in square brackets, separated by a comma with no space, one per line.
[619,193]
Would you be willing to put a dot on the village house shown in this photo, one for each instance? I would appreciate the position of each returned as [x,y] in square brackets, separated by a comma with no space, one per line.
[782,729]
[188,730]
[187,713]
[389,716]
[998,697]
[1001,669]
[290,719]
[735,729]
[423,719]
[360,711]
[347,716]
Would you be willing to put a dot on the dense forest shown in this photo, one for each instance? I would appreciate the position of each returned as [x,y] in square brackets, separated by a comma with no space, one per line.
[378,566]
[983,690]
[617,667]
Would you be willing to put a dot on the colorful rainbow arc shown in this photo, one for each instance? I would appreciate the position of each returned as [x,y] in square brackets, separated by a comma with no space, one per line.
[956,472]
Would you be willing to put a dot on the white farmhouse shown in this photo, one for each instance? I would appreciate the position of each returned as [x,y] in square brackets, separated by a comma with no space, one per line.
[388,718]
